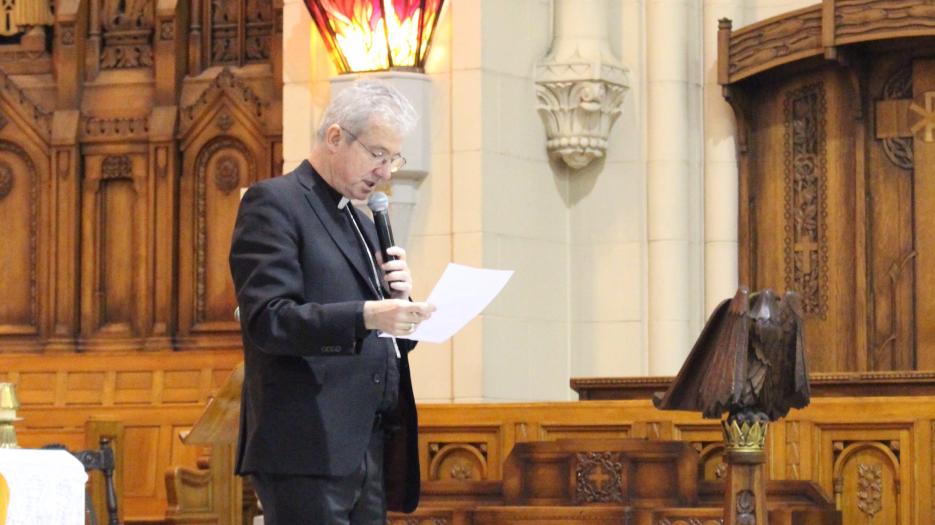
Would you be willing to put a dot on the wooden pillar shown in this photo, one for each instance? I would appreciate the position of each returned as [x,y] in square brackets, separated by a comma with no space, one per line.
[745,490]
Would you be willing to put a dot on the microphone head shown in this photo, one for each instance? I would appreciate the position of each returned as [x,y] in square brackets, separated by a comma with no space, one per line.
[378,202]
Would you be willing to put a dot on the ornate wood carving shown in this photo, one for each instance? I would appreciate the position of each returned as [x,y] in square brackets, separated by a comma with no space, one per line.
[117,167]
[746,508]
[806,243]
[28,322]
[39,117]
[127,31]
[238,90]
[457,461]
[793,457]
[226,173]
[598,477]
[114,128]
[899,86]
[784,38]
[873,18]
[869,488]
[259,30]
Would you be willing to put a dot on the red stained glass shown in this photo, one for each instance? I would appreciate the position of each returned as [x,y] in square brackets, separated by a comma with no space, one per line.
[371,35]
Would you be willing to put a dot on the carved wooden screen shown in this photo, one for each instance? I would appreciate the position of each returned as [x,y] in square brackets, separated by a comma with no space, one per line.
[121,160]
[837,201]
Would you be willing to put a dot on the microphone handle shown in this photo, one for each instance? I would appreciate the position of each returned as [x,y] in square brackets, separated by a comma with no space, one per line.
[384,233]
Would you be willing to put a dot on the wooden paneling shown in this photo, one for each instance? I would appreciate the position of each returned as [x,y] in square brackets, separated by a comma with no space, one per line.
[836,199]
[154,396]
[873,455]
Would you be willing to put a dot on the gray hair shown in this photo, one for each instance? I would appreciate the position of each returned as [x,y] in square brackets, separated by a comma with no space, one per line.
[357,104]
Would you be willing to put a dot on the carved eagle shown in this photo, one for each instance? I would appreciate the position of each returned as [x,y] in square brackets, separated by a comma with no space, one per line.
[749,360]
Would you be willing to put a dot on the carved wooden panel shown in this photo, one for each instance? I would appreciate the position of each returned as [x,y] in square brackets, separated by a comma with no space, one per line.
[127,31]
[114,248]
[239,31]
[800,207]
[92,128]
[890,182]
[20,211]
[221,154]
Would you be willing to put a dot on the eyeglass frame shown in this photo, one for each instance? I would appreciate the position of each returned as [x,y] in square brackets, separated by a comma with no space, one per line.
[380,158]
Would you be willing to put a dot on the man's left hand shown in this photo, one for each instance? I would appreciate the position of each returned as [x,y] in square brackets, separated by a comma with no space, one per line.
[397,275]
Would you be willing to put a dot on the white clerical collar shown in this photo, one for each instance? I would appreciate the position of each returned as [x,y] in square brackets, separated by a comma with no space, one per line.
[343,203]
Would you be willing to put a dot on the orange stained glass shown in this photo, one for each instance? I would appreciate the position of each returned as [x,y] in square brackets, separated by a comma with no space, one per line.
[373,35]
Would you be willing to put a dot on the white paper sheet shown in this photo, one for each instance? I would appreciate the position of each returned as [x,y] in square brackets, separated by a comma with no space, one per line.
[460,294]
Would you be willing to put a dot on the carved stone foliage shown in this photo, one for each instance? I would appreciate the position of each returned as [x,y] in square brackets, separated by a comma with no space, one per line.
[218,161]
[6,179]
[806,244]
[869,488]
[578,117]
[598,477]
[127,28]
[781,38]
[899,86]
[458,461]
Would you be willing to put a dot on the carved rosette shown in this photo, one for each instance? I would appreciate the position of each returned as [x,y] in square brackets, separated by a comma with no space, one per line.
[598,477]
[226,174]
[578,104]
[6,180]
[806,198]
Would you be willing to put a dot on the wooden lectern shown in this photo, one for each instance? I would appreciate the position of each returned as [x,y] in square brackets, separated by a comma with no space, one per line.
[210,494]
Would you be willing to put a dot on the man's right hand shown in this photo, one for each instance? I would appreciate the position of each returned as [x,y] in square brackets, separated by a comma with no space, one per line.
[396,317]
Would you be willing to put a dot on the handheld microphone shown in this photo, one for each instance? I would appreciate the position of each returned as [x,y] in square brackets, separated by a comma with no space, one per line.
[379,205]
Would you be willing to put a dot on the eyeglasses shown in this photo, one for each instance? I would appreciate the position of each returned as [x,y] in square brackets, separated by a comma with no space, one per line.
[381,158]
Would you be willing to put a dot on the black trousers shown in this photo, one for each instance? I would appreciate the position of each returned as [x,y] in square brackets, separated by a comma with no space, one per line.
[355,499]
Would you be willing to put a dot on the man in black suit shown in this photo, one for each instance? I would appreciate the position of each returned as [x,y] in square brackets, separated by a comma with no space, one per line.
[328,423]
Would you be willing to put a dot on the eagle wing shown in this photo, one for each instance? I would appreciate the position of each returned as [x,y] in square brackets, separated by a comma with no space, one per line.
[711,380]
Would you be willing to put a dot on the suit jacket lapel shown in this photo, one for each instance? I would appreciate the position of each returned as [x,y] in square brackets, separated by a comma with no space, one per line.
[335,222]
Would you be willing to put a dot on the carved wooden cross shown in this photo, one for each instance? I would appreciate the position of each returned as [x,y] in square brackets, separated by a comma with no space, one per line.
[915,118]
[598,477]
[894,117]
[806,247]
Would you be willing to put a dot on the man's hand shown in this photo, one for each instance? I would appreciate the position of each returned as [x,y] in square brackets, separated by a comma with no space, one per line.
[396,273]
[396,317]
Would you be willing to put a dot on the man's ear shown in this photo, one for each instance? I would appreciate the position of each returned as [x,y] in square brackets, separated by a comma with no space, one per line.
[333,137]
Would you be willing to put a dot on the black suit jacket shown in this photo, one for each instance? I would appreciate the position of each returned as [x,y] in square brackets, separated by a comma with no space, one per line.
[312,375]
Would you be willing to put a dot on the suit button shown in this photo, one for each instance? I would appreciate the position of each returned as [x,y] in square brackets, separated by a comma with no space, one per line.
[377,378]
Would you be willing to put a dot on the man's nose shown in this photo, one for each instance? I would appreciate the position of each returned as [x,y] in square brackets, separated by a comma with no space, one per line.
[383,171]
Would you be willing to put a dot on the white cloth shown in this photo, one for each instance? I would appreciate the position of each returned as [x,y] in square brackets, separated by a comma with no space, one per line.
[46,486]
